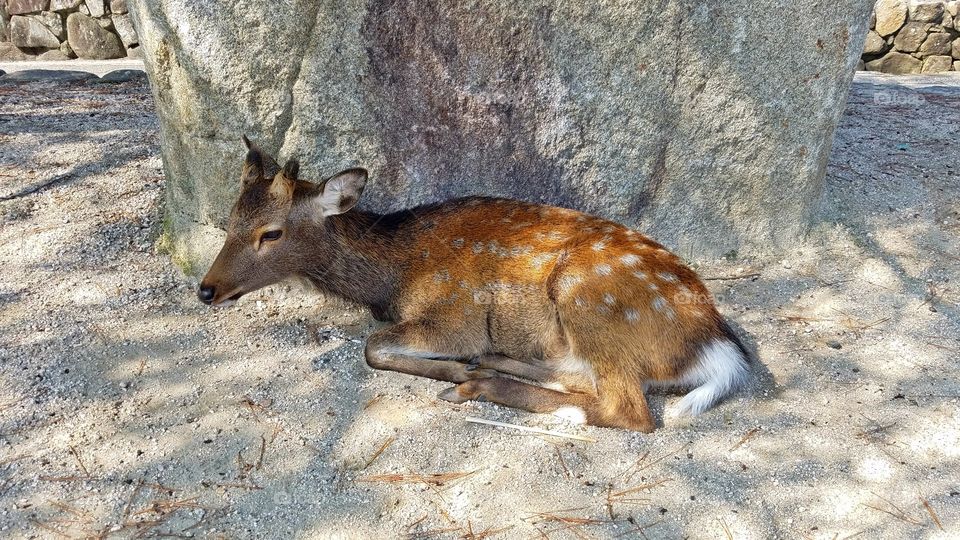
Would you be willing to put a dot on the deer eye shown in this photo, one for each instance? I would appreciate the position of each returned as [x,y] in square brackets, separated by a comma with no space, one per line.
[270,235]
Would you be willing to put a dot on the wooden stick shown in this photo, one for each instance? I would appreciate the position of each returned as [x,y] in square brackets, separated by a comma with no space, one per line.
[474,420]
[933,514]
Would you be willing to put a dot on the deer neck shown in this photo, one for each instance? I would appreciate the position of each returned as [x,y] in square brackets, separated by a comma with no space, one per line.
[361,263]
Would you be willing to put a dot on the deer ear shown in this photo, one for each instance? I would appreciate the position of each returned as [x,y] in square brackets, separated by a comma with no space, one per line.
[341,191]
[285,181]
[252,164]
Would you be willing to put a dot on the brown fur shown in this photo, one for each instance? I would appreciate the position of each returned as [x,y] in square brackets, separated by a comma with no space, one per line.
[530,295]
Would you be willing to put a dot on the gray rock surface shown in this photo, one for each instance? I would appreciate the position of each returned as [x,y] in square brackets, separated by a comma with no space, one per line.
[4,23]
[22,7]
[67,50]
[125,30]
[936,43]
[911,36]
[54,22]
[118,6]
[936,64]
[53,56]
[926,11]
[665,117]
[891,14]
[874,43]
[64,5]
[955,48]
[29,31]
[89,40]
[46,75]
[122,75]
[895,63]
[97,8]
[9,51]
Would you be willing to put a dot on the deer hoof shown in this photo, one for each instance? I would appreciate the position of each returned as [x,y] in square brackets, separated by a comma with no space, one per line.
[453,395]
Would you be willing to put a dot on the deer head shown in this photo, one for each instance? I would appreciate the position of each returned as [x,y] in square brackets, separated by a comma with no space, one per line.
[275,225]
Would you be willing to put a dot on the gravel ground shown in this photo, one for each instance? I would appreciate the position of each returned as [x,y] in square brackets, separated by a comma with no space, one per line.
[127,409]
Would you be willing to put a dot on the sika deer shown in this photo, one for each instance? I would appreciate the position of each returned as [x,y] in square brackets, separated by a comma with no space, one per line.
[539,308]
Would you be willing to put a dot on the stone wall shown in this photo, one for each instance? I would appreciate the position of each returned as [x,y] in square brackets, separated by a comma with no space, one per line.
[913,37]
[65,29]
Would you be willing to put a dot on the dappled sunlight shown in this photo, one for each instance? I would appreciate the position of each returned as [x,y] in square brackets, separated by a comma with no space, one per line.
[120,394]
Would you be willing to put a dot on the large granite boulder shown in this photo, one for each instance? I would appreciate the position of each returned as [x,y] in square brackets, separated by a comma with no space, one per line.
[926,11]
[30,32]
[891,14]
[22,7]
[874,44]
[89,40]
[936,43]
[896,63]
[936,64]
[673,116]
[911,36]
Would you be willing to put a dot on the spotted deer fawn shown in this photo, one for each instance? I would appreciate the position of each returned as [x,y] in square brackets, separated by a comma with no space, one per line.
[534,307]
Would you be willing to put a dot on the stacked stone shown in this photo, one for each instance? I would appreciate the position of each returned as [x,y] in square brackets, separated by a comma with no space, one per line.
[65,29]
[913,37]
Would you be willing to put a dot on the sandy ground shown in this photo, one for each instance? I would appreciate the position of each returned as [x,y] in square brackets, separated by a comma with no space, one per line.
[127,409]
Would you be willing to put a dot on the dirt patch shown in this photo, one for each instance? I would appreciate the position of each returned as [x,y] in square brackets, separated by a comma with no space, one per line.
[127,408]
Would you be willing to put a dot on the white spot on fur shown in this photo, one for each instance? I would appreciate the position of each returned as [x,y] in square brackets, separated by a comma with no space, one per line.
[653,287]
[571,414]
[478,247]
[609,299]
[425,253]
[602,269]
[542,259]
[601,244]
[661,305]
[441,276]
[568,282]
[641,275]
[720,369]
[631,315]
[629,259]
[458,243]
[579,302]
[667,276]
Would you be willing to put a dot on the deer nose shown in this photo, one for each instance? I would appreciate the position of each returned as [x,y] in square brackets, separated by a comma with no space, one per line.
[206,294]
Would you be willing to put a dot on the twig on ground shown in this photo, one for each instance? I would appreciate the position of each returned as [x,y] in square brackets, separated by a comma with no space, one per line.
[83,467]
[263,449]
[745,438]
[46,527]
[639,529]
[726,528]
[563,464]
[642,487]
[474,420]
[379,451]
[658,460]
[897,512]
[436,479]
[930,510]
